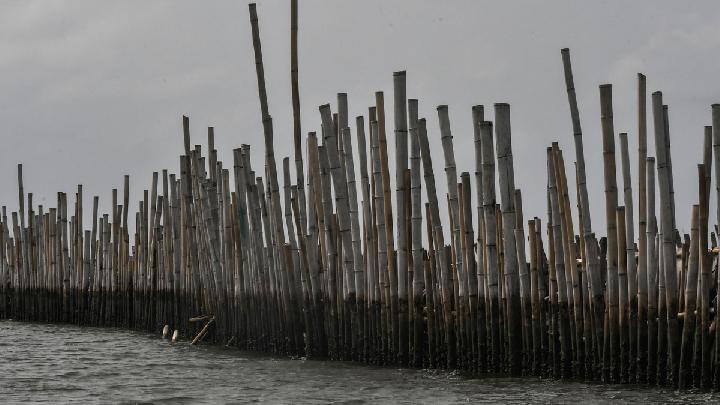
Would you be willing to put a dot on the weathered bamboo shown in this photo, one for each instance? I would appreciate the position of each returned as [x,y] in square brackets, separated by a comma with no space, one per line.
[622,293]
[389,238]
[439,242]
[481,262]
[702,343]
[690,295]
[507,189]
[491,252]
[401,166]
[652,272]
[632,283]
[524,272]
[608,134]
[716,154]
[591,267]
[667,215]
[558,259]
[572,277]
[642,322]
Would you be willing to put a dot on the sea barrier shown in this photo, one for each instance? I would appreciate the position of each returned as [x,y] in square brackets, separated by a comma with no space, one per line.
[324,265]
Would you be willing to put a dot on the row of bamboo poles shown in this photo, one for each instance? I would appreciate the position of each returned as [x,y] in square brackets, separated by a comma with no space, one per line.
[324,265]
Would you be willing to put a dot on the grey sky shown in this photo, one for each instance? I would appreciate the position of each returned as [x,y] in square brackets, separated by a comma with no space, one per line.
[93,90]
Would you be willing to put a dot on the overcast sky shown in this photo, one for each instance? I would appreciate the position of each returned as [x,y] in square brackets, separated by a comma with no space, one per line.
[93,90]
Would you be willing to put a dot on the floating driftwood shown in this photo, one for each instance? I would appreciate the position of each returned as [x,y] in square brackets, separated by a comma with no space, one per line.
[319,269]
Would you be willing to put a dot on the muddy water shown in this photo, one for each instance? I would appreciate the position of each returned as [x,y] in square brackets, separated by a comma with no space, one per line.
[61,364]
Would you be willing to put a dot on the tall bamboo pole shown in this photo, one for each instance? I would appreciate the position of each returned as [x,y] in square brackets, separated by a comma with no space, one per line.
[491,252]
[478,113]
[592,269]
[668,230]
[524,272]
[297,128]
[417,250]
[389,238]
[401,166]
[622,279]
[652,273]
[439,242]
[632,283]
[559,259]
[688,330]
[507,203]
[608,135]
[716,153]
[642,353]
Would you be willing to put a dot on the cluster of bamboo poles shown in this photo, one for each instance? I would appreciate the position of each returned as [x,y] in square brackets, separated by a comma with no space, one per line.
[317,268]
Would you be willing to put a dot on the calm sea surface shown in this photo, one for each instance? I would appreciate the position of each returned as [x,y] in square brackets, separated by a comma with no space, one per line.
[61,364]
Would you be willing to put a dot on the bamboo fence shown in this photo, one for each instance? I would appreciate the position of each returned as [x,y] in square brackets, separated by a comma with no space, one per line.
[316,268]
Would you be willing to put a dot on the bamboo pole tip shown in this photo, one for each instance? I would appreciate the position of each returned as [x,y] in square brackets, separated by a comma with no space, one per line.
[324,107]
[502,105]
[657,93]
[565,51]
[606,86]
[399,73]
[442,107]
[641,76]
[715,106]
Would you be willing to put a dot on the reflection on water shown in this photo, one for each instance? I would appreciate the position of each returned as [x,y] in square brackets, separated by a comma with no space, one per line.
[61,363]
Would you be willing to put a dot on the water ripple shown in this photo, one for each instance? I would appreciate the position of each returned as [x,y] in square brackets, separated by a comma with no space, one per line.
[69,364]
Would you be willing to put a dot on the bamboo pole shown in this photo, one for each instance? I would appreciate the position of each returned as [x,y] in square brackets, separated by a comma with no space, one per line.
[401,166]
[525,284]
[642,322]
[704,360]
[632,283]
[297,127]
[652,273]
[453,205]
[558,259]
[389,238]
[481,265]
[690,294]
[439,242]
[507,190]
[608,134]
[716,154]
[491,252]
[668,229]
[572,277]
[417,249]
[591,267]
[622,293]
